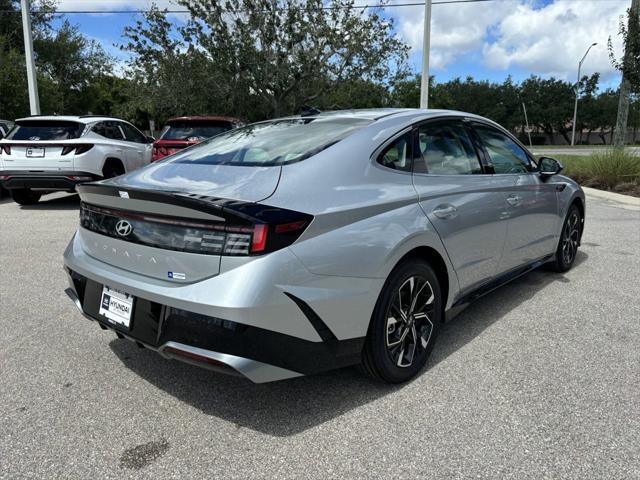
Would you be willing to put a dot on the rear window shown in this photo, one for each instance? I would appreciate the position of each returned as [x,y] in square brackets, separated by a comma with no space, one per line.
[193,131]
[45,130]
[272,143]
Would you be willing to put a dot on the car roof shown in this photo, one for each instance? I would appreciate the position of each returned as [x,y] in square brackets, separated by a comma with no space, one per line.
[204,118]
[375,114]
[71,118]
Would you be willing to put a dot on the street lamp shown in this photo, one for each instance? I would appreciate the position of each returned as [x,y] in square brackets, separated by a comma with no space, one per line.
[575,108]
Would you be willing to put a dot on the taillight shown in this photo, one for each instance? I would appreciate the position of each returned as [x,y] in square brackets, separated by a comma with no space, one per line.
[82,148]
[85,147]
[254,230]
[259,238]
[6,149]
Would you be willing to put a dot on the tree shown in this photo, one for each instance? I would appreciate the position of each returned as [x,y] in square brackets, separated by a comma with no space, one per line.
[262,58]
[68,65]
[629,66]
[549,104]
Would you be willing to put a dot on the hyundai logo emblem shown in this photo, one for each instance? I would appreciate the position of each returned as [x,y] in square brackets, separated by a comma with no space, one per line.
[123,228]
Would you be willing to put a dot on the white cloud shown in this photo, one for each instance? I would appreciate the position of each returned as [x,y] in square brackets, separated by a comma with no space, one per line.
[544,40]
[551,40]
[456,29]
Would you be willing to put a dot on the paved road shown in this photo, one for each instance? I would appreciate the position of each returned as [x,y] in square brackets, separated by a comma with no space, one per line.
[540,379]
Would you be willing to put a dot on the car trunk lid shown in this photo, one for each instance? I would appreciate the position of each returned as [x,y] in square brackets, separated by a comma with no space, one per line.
[39,156]
[249,184]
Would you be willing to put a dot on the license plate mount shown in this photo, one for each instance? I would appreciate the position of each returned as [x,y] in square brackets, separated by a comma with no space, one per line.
[117,306]
[35,152]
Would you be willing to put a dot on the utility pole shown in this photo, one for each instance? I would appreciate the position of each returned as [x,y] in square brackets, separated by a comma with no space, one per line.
[575,108]
[620,131]
[526,120]
[32,81]
[426,45]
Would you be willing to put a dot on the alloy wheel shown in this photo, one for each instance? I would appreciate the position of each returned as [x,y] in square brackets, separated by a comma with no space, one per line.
[570,237]
[409,325]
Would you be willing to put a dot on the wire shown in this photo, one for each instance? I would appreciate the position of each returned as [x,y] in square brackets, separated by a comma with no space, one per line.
[357,7]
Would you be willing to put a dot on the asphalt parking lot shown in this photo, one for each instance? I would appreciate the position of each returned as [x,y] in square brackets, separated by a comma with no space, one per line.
[540,379]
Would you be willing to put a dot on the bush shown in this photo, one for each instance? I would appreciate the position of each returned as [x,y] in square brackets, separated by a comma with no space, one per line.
[609,169]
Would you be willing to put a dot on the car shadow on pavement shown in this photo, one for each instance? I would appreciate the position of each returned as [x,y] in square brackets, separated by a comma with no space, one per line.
[289,407]
[66,202]
[490,308]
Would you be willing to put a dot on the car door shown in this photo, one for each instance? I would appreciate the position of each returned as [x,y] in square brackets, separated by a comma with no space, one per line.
[140,147]
[532,208]
[111,130]
[466,207]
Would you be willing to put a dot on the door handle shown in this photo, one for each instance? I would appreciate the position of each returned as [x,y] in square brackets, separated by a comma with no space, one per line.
[445,211]
[514,200]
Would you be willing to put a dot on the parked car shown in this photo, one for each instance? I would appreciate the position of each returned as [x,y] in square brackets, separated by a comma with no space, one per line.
[52,153]
[298,245]
[5,126]
[182,132]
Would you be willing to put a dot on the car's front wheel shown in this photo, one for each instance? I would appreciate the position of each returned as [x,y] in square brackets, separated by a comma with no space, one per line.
[405,323]
[24,196]
[569,241]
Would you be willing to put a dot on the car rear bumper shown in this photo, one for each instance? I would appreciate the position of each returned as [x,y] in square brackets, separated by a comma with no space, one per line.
[264,330]
[225,346]
[58,180]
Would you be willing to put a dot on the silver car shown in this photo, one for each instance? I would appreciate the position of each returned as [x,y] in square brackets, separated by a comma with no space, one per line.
[298,245]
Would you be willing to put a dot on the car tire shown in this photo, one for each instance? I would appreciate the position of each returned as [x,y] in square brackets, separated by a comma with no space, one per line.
[398,344]
[567,249]
[24,196]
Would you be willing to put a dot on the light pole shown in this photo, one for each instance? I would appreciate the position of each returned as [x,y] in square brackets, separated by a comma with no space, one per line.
[426,45]
[575,108]
[526,120]
[32,81]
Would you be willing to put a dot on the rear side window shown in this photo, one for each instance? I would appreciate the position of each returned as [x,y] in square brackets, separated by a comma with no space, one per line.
[193,131]
[46,130]
[505,154]
[132,134]
[108,130]
[445,149]
[271,143]
[397,155]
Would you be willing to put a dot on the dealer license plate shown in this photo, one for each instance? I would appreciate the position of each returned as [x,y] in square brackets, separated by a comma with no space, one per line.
[117,306]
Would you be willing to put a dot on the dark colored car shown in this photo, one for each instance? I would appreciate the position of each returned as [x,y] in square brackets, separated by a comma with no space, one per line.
[182,132]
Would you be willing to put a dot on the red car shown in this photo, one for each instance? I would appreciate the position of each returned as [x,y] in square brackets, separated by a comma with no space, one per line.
[182,132]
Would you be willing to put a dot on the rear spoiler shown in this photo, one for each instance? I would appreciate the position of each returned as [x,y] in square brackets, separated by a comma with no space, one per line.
[231,210]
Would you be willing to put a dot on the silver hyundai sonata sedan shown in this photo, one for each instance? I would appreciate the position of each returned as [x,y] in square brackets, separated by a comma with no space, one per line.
[298,245]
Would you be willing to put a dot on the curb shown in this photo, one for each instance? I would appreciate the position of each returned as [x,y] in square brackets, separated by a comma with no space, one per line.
[624,201]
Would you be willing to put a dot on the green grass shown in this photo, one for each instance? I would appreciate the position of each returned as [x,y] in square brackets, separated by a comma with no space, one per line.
[610,169]
[556,147]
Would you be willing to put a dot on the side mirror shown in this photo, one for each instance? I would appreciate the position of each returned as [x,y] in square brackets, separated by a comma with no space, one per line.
[150,139]
[549,166]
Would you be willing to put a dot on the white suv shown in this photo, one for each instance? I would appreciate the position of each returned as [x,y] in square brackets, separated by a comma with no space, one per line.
[54,153]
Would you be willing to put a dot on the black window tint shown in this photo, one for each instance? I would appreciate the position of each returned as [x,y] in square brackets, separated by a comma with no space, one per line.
[132,134]
[397,155]
[445,149]
[46,130]
[505,154]
[193,131]
[108,130]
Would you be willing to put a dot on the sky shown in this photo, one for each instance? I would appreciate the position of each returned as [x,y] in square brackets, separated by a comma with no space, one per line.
[487,40]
